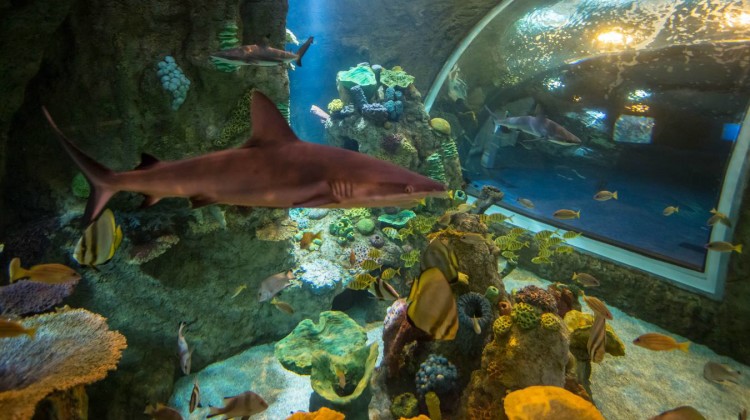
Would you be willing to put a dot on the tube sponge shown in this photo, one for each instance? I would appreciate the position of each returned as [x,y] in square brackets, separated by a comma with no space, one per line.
[473,305]
[433,406]
[72,347]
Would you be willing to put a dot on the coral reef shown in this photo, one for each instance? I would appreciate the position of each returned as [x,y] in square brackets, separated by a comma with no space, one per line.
[566,299]
[525,316]
[435,167]
[342,230]
[391,142]
[548,403]
[362,75]
[405,405]
[365,226]
[550,321]
[336,334]
[228,39]
[579,324]
[538,298]
[441,126]
[30,297]
[433,406]
[323,414]
[504,307]
[397,220]
[72,347]
[335,105]
[492,294]
[436,374]
[396,77]
[173,80]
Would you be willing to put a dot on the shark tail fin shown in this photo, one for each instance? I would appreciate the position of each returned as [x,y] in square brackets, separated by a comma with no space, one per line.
[101,178]
[302,50]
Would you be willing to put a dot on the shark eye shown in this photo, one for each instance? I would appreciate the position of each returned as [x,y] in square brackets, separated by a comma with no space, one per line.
[409,189]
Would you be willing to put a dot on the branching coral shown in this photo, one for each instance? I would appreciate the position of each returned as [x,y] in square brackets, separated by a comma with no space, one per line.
[474,311]
[538,298]
[71,347]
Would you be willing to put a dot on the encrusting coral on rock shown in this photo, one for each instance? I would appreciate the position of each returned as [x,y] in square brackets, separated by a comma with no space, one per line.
[71,347]
[548,403]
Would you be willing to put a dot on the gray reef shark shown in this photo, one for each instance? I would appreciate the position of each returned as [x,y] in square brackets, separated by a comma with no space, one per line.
[261,55]
[539,126]
[273,168]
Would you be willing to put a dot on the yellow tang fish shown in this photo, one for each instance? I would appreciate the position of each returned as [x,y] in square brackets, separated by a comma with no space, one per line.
[42,273]
[432,307]
[99,242]
[370,265]
[660,342]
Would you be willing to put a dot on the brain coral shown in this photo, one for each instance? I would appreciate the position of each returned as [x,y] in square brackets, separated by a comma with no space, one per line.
[502,325]
[525,316]
[72,347]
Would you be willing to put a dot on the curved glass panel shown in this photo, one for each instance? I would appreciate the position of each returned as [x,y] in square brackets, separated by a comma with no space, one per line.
[564,103]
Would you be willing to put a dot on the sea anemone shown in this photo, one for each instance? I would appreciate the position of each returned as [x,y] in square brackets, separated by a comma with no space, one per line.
[504,307]
[473,305]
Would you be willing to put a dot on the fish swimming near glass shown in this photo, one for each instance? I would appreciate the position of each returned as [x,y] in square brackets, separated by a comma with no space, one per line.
[42,273]
[261,55]
[432,307]
[539,126]
[274,169]
[99,242]
[243,405]
[273,284]
[718,217]
[718,372]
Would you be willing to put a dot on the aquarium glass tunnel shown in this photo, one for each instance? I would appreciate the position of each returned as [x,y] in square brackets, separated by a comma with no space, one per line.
[643,99]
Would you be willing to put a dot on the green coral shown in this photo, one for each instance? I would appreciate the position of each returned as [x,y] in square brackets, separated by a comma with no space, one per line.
[502,325]
[459,197]
[405,405]
[357,368]
[80,186]
[397,220]
[435,167]
[550,321]
[336,334]
[449,149]
[335,105]
[396,77]
[441,125]
[228,39]
[342,230]
[365,226]
[525,316]
[283,108]
[492,294]
[358,76]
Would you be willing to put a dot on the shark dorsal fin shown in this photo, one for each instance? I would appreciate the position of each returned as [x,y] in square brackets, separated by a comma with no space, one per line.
[539,112]
[147,161]
[269,126]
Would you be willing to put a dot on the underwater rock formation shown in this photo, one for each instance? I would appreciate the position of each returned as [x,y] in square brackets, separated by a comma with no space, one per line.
[71,347]
[521,354]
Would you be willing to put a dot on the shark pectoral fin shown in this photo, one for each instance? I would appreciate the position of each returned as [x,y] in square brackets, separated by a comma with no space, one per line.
[269,126]
[199,201]
[147,161]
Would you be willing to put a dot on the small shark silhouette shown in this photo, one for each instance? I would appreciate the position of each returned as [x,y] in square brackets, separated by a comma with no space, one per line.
[261,55]
[539,126]
[273,168]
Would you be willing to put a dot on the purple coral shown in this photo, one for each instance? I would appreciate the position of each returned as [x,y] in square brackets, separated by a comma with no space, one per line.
[375,112]
[538,298]
[31,297]
[358,97]
[392,142]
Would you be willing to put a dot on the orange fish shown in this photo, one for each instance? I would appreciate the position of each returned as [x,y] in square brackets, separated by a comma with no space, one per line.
[307,239]
[42,273]
[352,258]
[9,328]
[660,342]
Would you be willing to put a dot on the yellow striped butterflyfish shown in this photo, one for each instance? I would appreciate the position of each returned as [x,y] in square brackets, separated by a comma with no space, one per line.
[432,307]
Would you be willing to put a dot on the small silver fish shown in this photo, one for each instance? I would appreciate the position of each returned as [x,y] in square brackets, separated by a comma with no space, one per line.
[717,372]
[605,195]
[272,285]
[722,246]
[183,351]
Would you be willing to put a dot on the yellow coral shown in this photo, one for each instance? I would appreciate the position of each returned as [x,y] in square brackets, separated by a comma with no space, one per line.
[322,414]
[433,406]
[441,125]
[548,403]
[72,347]
[335,105]
[502,325]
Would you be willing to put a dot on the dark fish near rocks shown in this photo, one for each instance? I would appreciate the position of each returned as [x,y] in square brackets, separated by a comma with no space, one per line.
[684,412]
[717,372]
[272,285]
[243,405]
